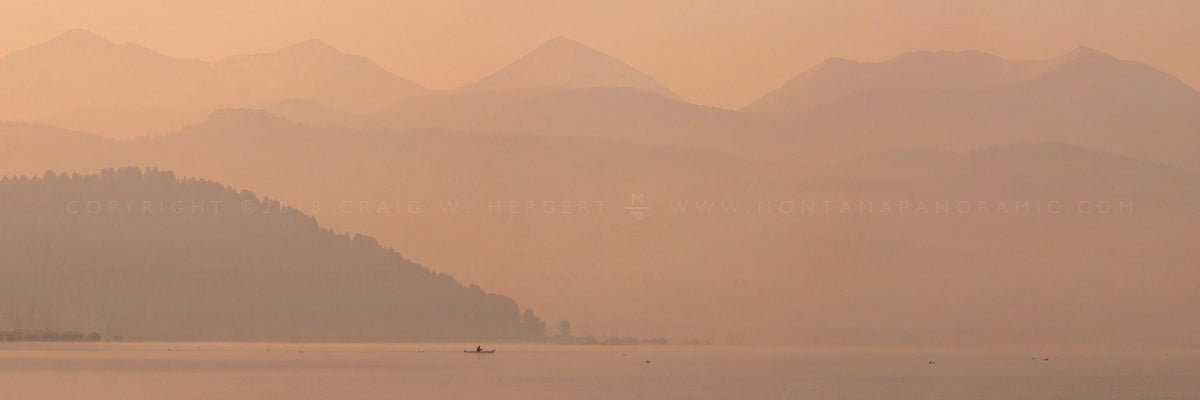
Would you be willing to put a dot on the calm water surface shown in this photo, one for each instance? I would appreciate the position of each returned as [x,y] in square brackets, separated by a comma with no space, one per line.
[410,371]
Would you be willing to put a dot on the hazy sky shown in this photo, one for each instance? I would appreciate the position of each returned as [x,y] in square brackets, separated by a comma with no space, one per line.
[717,52]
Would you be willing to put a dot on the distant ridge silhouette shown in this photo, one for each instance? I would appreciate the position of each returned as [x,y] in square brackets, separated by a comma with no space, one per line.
[566,64]
[311,70]
[80,80]
[837,79]
[965,100]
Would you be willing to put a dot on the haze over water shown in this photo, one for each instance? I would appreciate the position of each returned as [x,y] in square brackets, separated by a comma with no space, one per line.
[534,372]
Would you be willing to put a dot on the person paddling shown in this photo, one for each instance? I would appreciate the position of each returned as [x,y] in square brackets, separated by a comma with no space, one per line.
[478,349]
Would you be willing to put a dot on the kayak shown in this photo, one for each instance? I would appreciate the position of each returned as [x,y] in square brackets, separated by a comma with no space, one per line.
[479,352]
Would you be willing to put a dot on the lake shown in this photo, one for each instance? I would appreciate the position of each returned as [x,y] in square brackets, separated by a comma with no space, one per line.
[439,371]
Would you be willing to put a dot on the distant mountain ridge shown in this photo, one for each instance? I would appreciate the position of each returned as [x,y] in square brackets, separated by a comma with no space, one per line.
[80,80]
[965,100]
[79,69]
[562,63]
[311,70]
[954,101]
[837,79]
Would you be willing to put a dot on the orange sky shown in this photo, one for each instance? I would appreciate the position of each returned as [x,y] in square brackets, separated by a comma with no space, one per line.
[717,52]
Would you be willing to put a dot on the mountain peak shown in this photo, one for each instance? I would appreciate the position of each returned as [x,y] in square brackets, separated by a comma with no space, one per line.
[562,42]
[835,62]
[565,63]
[311,46]
[76,40]
[837,79]
[1086,53]
[241,114]
[74,45]
[240,119]
[312,70]
[943,56]
[1084,50]
[830,65]
[80,36]
[1080,57]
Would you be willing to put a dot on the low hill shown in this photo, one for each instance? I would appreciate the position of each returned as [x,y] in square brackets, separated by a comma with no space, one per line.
[151,256]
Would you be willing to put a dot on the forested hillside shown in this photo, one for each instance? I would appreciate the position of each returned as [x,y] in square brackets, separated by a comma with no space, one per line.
[151,256]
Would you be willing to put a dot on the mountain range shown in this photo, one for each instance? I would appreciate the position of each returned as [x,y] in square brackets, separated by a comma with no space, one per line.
[764,224]
[965,100]
[956,101]
[83,81]
[838,109]
[758,274]
[79,80]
